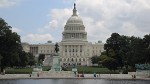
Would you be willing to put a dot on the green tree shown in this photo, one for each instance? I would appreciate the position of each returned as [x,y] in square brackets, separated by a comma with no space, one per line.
[110,63]
[95,59]
[10,45]
[114,43]
[31,60]
[146,41]
[135,52]
[23,59]
[109,60]
[41,58]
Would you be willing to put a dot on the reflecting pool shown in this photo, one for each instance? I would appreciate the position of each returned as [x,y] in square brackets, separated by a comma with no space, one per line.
[73,81]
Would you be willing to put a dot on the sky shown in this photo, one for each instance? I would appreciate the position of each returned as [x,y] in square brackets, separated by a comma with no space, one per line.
[38,21]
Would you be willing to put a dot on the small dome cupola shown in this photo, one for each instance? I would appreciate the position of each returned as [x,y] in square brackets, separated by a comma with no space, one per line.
[74,10]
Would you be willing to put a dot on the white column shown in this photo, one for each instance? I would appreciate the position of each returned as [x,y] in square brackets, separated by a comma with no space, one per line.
[73,35]
[82,50]
[66,36]
[71,49]
[75,50]
[79,35]
[64,50]
[78,50]
[67,49]
[70,35]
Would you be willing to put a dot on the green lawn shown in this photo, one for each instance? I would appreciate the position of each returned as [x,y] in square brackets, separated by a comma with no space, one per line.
[46,68]
[23,70]
[81,69]
[18,70]
[85,69]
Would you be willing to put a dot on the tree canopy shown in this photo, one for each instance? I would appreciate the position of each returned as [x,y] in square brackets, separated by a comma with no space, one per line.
[11,52]
[125,51]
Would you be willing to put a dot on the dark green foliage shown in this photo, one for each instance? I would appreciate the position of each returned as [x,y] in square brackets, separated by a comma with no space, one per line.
[113,46]
[10,45]
[11,52]
[95,59]
[125,71]
[31,60]
[23,59]
[126,51]
[146,41]
[41,58]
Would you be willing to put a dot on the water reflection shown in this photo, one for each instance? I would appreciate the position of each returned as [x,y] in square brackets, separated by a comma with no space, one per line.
[73,81]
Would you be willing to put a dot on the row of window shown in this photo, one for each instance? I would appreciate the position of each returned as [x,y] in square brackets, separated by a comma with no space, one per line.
[48,51]
[74,36]
[73,50]
[74,28]
[73,54]
[73,46]
[68,64]
[34,52]
[73,60]
[47,48]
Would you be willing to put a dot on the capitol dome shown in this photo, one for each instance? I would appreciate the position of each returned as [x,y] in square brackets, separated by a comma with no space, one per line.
[74,19]
[74,29]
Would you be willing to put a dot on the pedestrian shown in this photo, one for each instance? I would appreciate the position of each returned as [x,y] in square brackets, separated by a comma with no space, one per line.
[94,74]
[4,71]
[30,74]
[37,74]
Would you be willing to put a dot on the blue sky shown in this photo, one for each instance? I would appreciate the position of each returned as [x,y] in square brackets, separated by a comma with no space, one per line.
[38,21]
[29,15]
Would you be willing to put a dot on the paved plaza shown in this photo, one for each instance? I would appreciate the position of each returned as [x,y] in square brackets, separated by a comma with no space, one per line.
[86,76]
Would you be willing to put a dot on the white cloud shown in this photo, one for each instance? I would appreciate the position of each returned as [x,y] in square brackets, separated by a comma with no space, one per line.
[59,17]
[8,3]
[35,38]
[53,24]
[16,30]
[128,17]
[103,17]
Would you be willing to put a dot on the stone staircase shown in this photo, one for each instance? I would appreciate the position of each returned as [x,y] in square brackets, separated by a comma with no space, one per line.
[48,60]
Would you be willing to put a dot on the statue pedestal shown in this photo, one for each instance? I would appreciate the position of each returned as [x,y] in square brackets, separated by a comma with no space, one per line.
[56,63]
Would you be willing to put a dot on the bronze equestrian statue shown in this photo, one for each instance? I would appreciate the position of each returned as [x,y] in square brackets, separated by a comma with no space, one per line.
[56,47]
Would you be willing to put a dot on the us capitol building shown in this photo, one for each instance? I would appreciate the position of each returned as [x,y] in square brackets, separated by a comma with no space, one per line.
[74,47]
